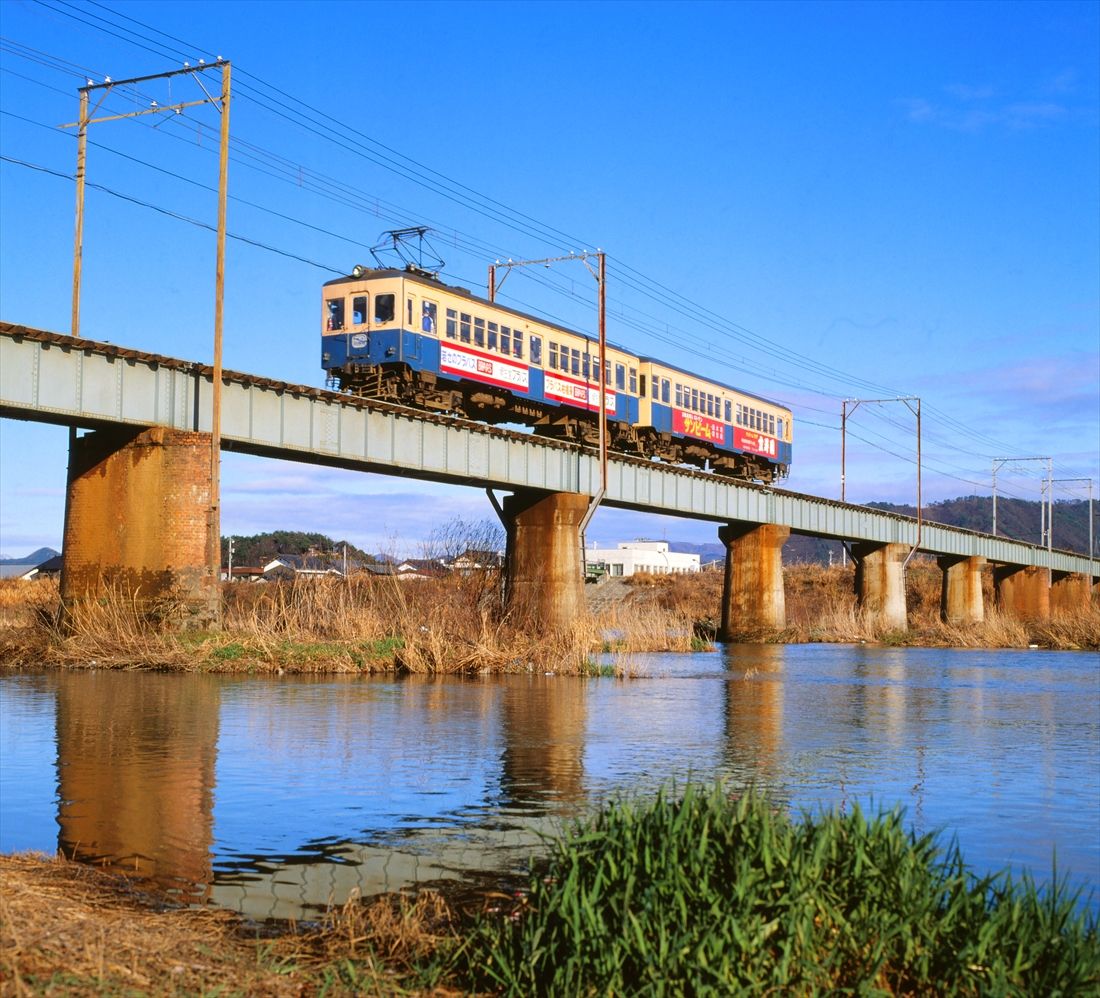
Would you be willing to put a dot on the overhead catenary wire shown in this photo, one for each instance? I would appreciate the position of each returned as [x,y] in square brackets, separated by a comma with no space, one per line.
[628,276]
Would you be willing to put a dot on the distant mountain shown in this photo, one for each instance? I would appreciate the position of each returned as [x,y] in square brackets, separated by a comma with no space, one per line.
[34,558]
[1019,519]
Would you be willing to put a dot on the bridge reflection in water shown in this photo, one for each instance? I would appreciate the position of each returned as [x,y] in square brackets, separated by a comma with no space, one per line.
[137,780]
[276,797]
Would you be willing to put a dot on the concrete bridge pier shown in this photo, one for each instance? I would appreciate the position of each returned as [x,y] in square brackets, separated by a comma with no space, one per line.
[880,581]
[961,596]
[1023,592]
[138,521]
[544,576]
[752,595]
[1070,592]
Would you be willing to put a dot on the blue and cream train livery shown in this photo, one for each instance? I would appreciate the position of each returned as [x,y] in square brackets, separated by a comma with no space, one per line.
[404,337]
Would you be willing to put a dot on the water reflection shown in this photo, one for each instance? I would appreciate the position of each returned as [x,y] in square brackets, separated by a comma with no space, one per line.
[277,796]
[136,775]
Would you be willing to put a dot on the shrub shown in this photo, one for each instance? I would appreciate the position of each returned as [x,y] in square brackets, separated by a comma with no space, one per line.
[707,895]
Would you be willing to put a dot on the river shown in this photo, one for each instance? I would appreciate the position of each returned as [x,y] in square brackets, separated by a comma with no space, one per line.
[276,796]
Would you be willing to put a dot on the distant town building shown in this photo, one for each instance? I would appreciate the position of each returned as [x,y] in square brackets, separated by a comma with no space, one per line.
[638,557]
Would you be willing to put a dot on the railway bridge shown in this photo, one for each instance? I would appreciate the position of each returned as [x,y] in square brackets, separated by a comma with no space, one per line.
[138,506]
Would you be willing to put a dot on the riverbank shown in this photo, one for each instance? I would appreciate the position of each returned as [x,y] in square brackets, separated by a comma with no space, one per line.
[693,893]
[451,626]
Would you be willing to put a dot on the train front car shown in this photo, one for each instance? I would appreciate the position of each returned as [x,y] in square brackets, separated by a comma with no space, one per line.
[692,420]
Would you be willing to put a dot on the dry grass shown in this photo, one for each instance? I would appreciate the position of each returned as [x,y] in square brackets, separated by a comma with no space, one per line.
[448,625]
[453,625]
[70,929]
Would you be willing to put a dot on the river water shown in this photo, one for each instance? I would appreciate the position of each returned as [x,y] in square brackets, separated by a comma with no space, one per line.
[277,796]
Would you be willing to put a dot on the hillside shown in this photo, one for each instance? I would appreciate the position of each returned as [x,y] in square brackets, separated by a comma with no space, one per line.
[262,548]
[1016,518]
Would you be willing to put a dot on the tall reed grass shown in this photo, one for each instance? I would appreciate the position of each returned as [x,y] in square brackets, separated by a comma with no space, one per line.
[702,894]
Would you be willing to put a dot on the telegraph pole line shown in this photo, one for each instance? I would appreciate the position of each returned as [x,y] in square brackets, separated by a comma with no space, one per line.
[222,104]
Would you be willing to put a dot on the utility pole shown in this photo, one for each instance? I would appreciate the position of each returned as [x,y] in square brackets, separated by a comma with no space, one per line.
[999,462]
[908,401]
[222,104]
[1088,481]
[603,378]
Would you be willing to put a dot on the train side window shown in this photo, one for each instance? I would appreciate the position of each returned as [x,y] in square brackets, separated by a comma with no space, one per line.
[505,340]
[493,335]
[409,310]
[664,389]
[779,428]
[536,349]
[335,318]
[771,423]
[575,366]
[428,311]
[358,310]
[586,368]
[553,355]
[384,306]
[695,400]
[633,381]
[464,327]
[620,377]
[729,411]
[607,373]
[517,344]
[679,395]
[479,332]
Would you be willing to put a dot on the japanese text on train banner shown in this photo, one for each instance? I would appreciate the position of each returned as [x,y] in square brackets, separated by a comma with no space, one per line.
[482,367]
[575,393]
[698,426]
[755,443]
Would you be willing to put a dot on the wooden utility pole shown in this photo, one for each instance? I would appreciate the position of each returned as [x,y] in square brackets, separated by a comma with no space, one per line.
[222,104]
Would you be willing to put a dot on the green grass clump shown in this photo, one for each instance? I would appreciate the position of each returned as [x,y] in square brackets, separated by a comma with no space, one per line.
[705,895]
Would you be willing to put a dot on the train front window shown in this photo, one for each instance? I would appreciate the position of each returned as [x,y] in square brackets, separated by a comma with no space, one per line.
[335,319]
[383,308]
[729,411]
[409,311]
[358,310]
[665,383]
[428,312]
[779,428]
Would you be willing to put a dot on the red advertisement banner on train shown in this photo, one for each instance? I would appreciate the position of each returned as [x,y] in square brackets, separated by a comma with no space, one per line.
[485,367]
[575,393]
[693,425]
[755,443]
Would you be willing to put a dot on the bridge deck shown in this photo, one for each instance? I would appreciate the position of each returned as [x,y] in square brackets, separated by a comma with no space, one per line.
[49,377]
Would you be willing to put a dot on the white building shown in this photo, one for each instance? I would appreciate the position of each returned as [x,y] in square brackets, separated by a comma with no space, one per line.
[635,557]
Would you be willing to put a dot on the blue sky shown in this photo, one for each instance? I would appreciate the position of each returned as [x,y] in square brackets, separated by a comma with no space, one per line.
[811,201]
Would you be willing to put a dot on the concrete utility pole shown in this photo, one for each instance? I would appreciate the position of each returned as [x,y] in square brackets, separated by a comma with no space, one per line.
[81,125]
[908,401]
